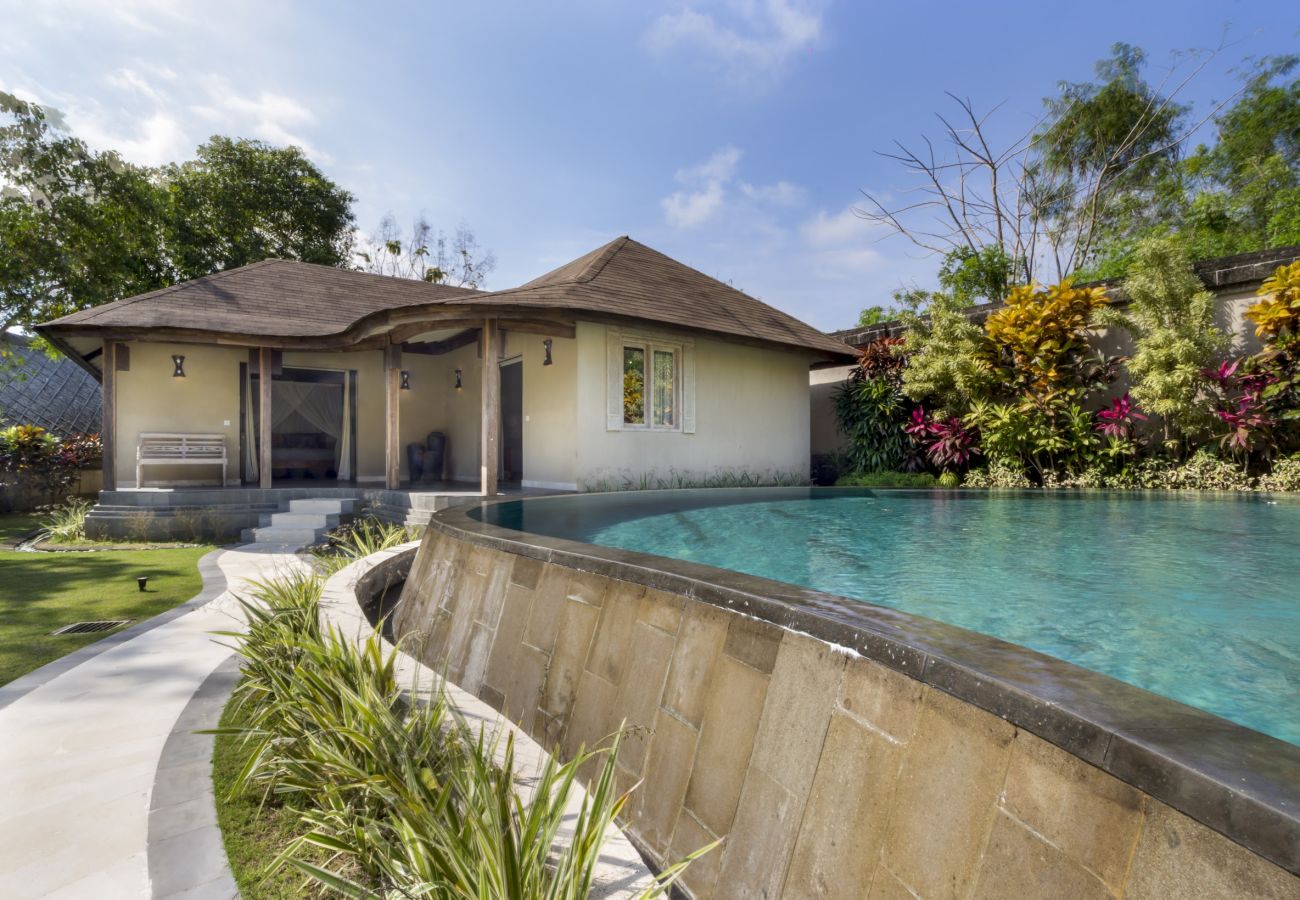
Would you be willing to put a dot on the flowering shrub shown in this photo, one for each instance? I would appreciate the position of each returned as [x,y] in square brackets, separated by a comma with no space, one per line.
[37,467]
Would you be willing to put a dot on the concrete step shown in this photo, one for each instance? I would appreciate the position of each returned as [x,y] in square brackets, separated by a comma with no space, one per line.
[281,534]
[323,506]
[305,520]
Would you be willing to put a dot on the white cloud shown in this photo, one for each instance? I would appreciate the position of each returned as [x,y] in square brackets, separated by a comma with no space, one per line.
[782,193]
[158,139]
[266,116]
[705,193]
[689,209]
[824,230]
[754,45]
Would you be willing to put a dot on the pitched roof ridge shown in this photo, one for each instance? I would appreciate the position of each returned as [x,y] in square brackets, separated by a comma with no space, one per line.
[612,249]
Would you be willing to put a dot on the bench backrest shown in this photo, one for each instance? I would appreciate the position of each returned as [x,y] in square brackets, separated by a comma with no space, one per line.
[160,445]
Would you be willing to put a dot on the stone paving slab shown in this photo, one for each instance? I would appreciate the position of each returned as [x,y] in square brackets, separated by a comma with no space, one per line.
[82,740]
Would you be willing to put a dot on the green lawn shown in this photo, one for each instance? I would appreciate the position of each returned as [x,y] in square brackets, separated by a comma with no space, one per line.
[254,833]
[16,525]
[40,592]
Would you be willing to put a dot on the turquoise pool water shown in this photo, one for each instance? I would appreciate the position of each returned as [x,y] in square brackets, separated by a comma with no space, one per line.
[1193,597]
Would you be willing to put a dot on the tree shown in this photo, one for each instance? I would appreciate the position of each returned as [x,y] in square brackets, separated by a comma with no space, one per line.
[1170,316]
[77,228]
[427,255]
[875,315]
[1047,199]
[242,201]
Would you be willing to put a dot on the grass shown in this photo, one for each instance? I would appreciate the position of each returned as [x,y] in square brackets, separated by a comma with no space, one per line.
[17,525]
[40,592]
[254,833]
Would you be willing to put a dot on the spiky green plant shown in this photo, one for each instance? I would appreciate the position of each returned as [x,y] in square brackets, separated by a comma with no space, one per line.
[402,794]
[358,540]
[66,523]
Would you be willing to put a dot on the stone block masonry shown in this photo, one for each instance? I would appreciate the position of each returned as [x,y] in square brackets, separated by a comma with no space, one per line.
[828,774]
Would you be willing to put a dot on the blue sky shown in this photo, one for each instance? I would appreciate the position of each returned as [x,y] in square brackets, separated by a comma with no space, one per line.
[735,136]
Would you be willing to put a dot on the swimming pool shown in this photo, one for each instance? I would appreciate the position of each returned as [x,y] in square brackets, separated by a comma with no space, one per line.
[1195,597]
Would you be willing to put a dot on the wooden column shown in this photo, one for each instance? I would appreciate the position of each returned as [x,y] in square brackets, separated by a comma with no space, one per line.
[108,414]
[392,417]
[264,373]
[491,408]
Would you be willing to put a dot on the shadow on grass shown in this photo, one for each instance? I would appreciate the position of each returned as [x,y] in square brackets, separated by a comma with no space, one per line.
[40,592]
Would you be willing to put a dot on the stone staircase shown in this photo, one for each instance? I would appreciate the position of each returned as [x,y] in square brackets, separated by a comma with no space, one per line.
[305,523]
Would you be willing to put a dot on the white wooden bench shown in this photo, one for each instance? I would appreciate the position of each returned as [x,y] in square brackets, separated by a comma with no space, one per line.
[167,449]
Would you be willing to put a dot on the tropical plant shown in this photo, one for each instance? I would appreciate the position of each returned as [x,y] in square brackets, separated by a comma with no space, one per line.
[998,474]
[946,441]
[1285,475]
[871,412]
[66,523]
[1244,401]
[1036,436]
[1277,314]
[1119,419]
[36,467]
[1170,316]
[1040,336]
[403,796]
[357,540]
[947,360]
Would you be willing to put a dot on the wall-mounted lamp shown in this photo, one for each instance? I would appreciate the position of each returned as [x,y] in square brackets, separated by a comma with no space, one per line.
[406,380]
[178,364]
[547,344]
[459,386]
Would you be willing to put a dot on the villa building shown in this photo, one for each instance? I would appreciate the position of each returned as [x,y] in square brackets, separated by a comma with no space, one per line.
[621,366]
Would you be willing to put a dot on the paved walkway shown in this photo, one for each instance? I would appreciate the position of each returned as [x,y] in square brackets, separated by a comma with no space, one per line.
[105,790]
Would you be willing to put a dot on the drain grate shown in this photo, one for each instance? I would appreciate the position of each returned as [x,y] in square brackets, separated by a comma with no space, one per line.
[90,627]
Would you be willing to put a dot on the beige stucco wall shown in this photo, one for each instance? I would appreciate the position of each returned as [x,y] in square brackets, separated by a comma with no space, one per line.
[828,774]
[550,409]
[751,409]
[751,412]
[205,401]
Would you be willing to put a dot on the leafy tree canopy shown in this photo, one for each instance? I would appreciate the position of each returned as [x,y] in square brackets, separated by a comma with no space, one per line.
[243,201]
[80,227]
[1109,166]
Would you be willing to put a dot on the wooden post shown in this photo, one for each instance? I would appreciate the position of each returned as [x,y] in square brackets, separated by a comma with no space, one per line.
[491,408]
[264,417]
[108,414]
[392,418]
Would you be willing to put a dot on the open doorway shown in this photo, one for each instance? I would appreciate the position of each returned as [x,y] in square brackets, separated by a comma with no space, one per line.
[313,425]
[512,423]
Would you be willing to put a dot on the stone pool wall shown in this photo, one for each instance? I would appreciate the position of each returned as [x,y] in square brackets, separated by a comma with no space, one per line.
[828,774]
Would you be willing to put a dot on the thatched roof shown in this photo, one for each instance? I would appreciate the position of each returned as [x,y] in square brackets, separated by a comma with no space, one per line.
[299,301]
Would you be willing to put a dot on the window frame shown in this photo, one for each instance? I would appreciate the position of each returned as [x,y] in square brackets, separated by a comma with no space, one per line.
[650,346]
